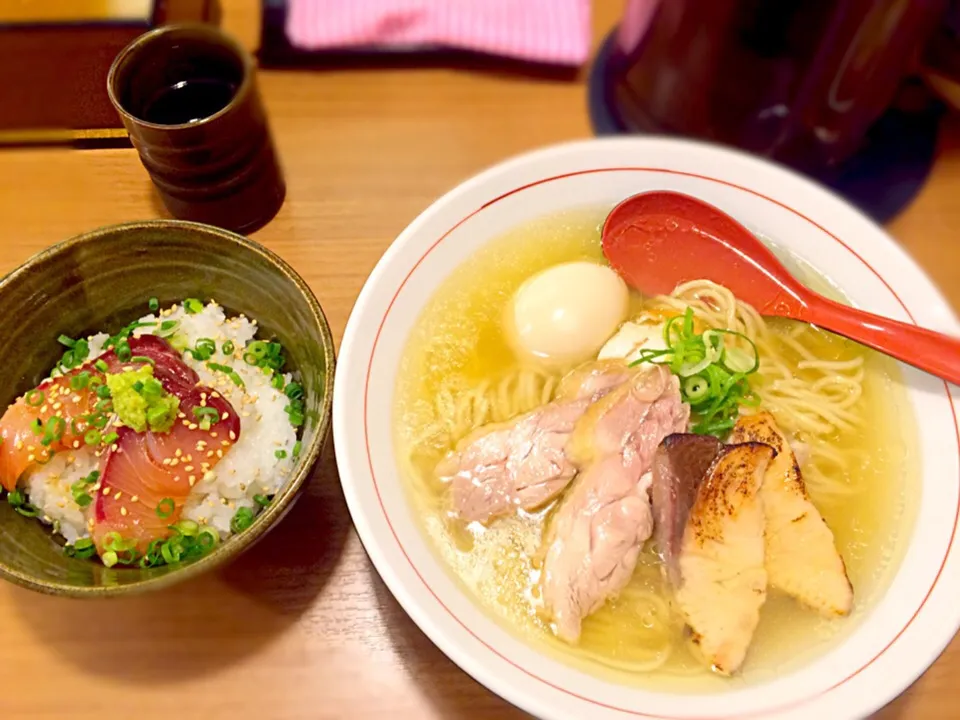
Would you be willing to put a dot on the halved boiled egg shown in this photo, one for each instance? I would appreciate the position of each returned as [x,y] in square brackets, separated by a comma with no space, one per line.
[563,315]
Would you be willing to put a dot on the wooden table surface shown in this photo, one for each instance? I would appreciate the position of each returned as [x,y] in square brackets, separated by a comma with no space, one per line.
[301,626]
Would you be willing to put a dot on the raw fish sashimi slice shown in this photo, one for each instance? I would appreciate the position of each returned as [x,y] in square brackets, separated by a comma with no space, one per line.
[147,477]
[20,444]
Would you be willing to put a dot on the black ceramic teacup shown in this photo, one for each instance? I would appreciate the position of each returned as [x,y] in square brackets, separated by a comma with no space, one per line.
[188,97]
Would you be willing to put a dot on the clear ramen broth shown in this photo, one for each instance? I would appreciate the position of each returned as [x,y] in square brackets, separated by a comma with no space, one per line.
[458,372]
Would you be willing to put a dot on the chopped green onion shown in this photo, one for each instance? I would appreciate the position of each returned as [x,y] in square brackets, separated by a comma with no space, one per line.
[124,354]
[276,382]
[714,374]
[228,371]
[168,328]
[192,306]
[53,430]
[695,388]
[66,341]
[228,348]
[209,412]
[84,548]
[80,380]
[261,500]
[34,398]
[28,510]
[208,538]
[138,386]
[153,304]
[250,359]
[109,558]
[110,438]
[77,353]
[101,365]
[280,454]
[83,499]
[152,388]
[15,498]
[294,391]
[142,359]
[157,416]
[297,447]
[103,392]
[92,437]
[165,508]
[171,552]
[188,528]
[242,520]
[99,420]
[36,427]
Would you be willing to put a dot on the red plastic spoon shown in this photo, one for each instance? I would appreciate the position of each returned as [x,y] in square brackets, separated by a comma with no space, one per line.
[657,240]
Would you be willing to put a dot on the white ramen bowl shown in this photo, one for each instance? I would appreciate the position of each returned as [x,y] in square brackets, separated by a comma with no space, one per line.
[908,626]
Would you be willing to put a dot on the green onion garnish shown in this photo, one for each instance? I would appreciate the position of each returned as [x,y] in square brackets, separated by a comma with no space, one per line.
[228,371]
[80,380]
[26,509]
[124,354]
[15,498]
[165,508]
[228,348]
[66,341]
[294,391]
[76,354]
[99,420]
[242,520]
[297,447]
[261,500]
[714,377]
[204,349]
[192,306]
[280,454]
[142,359]
[153,304]
[168,327]
[84,548]
[103,392]
[53,430]
[276,382]
[138,386]
[36,426]
[110,438]
[202,412]
[188,528]
[101,365]
[207,539]
[109,558]
[92,437]
[34,398]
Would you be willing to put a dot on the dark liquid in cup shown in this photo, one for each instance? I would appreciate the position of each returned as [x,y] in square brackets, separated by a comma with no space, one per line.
[189,101]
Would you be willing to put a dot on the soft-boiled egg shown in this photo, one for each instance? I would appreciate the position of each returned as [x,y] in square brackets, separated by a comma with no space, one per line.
[564,314]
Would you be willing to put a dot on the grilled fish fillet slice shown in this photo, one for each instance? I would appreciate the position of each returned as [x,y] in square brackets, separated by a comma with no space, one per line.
[723,581]
[801,556]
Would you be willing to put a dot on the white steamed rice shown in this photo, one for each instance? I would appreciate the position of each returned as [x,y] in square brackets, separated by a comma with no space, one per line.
[250,467]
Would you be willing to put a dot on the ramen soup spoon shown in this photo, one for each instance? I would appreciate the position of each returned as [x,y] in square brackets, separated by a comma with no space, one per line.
[657,240]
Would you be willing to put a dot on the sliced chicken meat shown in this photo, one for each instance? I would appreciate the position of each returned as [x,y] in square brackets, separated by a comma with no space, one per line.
[522,463]
[679,465]
[595,535]
[801,557]
[723,582]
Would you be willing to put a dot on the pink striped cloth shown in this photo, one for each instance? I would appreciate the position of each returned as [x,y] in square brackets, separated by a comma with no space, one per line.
[548,31]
